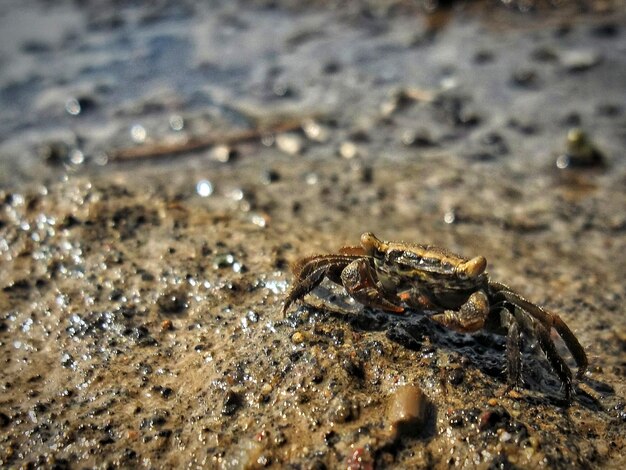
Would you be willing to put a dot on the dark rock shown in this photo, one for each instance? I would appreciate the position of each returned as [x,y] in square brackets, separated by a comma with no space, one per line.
[606,30]
[159,418]
[495,143]
[483,56]
[609,109]
[165,392]
[493,419]
[270,176]
[141,335]
[173,302]
[525,78]
[455,110]
[232,402]
[544,54]
[331,438]
[457,420]
[456,376]
[354,369]
[398,334]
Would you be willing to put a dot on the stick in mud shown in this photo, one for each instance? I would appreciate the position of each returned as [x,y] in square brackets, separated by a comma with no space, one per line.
[162,149]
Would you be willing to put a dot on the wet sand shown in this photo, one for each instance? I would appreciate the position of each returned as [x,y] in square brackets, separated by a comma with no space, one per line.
[140,319]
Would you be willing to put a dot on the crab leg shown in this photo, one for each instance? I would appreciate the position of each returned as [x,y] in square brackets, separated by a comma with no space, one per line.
[549,320]
[572,344]
[513,347]
[311,271]
[360,282]
[353,250]
[533,327]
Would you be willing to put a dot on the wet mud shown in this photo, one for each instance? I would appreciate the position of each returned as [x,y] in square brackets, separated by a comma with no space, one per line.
[141,290]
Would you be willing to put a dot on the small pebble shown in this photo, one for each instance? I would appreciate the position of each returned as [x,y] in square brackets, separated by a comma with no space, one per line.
[297,337]
[348,150]
[580,151]
[417,138]
[76,106]
[290,143]
[315,131]
[406,411]
[343,410]
[398,100]
[223,153]
[514,394]
[580,60]
[270,176]
[55,153]
[493,419]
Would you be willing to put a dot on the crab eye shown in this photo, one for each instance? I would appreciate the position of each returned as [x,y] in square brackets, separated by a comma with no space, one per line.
[372,245]
[472,268]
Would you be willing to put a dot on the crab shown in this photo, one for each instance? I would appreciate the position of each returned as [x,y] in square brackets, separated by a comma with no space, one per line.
[456,291]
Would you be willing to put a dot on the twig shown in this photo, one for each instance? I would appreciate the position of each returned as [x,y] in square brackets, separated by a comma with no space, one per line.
[161,149]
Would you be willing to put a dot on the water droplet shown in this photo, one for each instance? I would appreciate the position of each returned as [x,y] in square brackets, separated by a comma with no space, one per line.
[177,123]
[311,178]
[223,260]
[138,133]
[77,157]
[315,131]
[449,217]
[72,107]
[562,162]
[27,325]
[259,220]
[236,194]
[101,159]
[204,188]
[268,140]
[276,286]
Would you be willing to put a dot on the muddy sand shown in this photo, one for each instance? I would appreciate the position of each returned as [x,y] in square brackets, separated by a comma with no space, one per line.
[162,166]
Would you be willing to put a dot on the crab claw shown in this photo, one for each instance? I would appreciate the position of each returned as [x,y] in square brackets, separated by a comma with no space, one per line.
[469,318]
